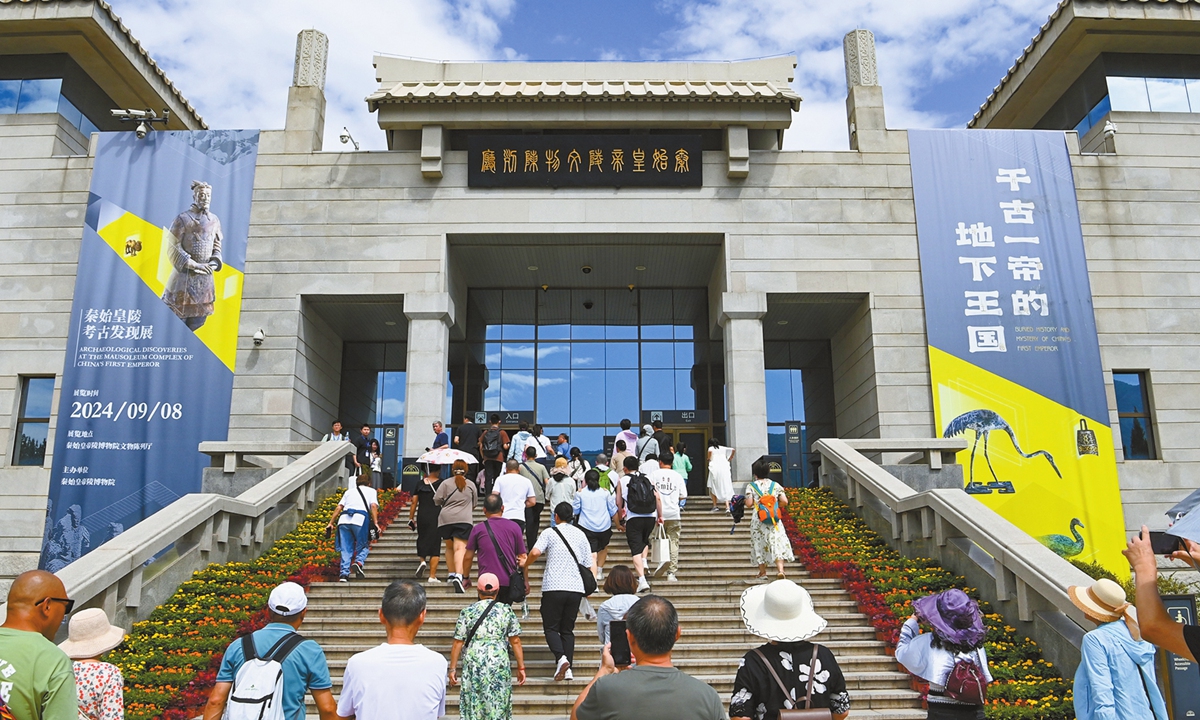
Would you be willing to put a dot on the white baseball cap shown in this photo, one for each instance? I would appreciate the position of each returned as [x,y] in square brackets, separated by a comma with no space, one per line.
[287,599]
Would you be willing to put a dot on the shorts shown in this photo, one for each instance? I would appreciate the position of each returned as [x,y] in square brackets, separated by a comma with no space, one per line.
[637,533]
[598,540]
[458,531]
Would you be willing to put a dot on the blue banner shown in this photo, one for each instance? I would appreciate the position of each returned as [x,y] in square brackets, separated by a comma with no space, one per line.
[153,338]
[1013,351]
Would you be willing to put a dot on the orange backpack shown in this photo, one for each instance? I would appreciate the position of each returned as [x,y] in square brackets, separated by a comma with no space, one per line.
[766,506]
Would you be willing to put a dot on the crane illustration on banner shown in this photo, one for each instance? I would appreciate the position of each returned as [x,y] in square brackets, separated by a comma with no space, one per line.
[982,422]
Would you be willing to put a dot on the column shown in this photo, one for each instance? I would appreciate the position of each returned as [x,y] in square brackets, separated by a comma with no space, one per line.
[745,378]
[304,126]
[430,317]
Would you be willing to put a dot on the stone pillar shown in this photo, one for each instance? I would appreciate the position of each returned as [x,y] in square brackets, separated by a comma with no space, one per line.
[304,127]
[430,317]
[864,98]
[745,378]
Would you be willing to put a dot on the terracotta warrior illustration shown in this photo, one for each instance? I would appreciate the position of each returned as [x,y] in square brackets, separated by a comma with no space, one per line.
[195,252]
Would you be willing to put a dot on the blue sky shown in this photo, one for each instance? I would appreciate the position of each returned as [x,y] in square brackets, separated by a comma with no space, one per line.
[938,59]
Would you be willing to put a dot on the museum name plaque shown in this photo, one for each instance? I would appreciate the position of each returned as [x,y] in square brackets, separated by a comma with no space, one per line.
[504,161]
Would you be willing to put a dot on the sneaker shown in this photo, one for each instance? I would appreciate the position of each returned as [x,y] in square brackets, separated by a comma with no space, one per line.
[358,570]
[435,581]
[458,585]
[643,586]
[563,667]
[568,675]
[658,571]
[718,508]
[344,579]
[421,568]
[600,575]
[671,577]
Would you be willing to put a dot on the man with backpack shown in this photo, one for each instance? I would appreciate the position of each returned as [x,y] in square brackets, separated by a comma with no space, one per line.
[641,511]
[493,443]
[271,664]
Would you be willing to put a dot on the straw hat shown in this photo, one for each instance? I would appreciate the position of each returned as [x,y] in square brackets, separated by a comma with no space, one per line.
[781,611]
[1104,601]
[91,635]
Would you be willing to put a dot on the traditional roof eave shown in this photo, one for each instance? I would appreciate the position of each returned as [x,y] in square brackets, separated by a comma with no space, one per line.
[38,13]
[1092,12]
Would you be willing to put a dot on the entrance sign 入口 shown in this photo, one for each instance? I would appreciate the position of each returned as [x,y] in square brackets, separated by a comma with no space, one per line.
[500,161]
[1013,351]
[153,331]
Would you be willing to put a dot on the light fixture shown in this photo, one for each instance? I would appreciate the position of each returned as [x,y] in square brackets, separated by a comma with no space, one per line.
[145,119]
[346,137]
[389,323]
[259,336]
[588,304]
[630,286]
[586,269]
[545,288]
[781,322]
[639,268]
[532,267]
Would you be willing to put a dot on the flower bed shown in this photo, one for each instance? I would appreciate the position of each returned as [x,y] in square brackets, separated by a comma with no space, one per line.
[832,542]
[170,660]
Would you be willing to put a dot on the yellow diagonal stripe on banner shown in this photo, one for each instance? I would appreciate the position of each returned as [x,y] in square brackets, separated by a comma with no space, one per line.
[140,244]
[1044,504]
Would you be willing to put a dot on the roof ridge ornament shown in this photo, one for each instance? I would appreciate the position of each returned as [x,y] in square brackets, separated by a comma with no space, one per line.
[859,48]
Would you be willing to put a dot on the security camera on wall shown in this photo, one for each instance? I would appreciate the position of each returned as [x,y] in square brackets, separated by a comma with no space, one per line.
[586,269]
[588,304]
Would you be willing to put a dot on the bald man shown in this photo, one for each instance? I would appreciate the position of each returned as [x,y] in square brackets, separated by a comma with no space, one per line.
[36,679]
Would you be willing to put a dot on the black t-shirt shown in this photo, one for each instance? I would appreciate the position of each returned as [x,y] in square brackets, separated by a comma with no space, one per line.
[468,438]
[1191,636]
[362,449]
[756,695]
[664,441]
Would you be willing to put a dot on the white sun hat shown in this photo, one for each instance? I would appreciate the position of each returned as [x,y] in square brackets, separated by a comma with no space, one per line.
[781,611]
[91,635]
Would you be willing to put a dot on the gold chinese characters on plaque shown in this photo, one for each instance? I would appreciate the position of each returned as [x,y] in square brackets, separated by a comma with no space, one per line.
[616,160]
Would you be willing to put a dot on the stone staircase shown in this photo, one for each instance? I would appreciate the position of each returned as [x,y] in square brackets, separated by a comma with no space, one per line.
[714,566]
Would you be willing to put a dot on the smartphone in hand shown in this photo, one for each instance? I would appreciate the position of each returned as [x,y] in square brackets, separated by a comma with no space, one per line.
[1163,544]
[620,644]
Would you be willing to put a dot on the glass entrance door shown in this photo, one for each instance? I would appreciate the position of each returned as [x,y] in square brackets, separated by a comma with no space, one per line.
[695,440]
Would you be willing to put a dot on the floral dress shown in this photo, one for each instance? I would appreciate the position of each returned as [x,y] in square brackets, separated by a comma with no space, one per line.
[768,542]
[100,688]
[486,676]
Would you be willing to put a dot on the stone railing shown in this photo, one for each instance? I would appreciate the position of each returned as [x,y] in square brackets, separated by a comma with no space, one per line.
[1024,580]
[139,569]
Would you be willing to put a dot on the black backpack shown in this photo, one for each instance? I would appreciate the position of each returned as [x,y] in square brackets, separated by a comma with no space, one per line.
[640,498]
[491,445]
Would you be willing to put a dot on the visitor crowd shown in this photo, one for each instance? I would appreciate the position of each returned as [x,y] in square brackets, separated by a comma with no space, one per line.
[265,675]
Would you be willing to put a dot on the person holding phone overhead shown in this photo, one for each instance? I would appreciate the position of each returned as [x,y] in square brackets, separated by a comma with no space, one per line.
[789,672]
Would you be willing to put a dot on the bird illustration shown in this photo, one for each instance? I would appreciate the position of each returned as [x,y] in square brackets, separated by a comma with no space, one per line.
[1063,545]
[983,422]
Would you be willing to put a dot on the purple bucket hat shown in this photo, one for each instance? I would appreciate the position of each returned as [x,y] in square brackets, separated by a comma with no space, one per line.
[954,616]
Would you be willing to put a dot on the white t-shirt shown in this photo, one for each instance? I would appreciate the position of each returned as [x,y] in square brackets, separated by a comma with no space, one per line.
[514,489]
[561,572]
[671,488]
[351,500]
[396,682]
[649,467]
[624,488]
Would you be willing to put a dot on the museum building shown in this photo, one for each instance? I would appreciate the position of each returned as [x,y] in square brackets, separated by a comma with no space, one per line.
[575,244]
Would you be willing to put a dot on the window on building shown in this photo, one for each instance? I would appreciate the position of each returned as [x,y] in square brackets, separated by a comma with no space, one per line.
[1133,412]
[42,96]
[1144,94]
[33,420]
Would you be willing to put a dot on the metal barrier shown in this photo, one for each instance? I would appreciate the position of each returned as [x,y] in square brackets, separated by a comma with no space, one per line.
[139,569]
[1024,580]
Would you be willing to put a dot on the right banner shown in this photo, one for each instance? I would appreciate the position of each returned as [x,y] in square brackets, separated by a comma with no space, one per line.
[1013,353]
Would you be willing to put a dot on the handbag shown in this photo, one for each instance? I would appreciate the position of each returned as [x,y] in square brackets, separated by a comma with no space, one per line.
[660,547]
[516,578]
[809,712]
[585,572]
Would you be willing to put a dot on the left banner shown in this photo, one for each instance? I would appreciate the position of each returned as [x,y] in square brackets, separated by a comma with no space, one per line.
[150,355]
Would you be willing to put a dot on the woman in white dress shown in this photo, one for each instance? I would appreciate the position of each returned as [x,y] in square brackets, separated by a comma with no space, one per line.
[720,475]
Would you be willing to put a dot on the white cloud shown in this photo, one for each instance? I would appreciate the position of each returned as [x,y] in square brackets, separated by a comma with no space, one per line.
[393,410]
[233,60]
[918,45]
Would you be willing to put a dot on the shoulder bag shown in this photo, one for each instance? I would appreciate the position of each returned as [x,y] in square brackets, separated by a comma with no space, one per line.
[585,572]
[475,627]
[372,528]
[516,578]
[809,713]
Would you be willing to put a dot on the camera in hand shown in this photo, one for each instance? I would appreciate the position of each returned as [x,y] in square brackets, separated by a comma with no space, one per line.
[620,643]
[1164,544]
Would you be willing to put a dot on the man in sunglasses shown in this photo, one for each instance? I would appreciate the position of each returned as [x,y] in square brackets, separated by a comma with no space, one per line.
[38,682]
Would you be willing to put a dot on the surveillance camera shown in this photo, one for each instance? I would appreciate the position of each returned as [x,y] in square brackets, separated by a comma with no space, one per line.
[588,304]
[345,137]
[141,131]
[587,269]
[259,336]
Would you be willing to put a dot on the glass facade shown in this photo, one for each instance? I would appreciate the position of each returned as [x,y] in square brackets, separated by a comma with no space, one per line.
[33,421]
[1144,94]
[583,360]
[42,96]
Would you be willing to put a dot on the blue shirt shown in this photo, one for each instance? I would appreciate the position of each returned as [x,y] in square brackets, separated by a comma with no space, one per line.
[303,670]
[1115,678]
[564,449]
[595,509]
[442,439]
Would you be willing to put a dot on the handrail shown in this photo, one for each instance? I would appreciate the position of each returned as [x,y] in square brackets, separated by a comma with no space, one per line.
[934,451]
[203,528]
[1021,565]
[231,454]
